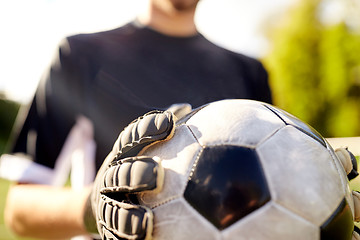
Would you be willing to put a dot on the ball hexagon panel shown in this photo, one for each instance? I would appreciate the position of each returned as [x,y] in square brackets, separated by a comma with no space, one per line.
[177,220]
[215,124]
[292,120]
[227,184]
[177,157]
[272,222]
[307,185]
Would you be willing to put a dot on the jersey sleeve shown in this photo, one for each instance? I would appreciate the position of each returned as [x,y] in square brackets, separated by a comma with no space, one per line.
[42,127]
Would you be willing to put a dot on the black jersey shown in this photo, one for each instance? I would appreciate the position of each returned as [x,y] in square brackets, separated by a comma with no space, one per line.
[115,76]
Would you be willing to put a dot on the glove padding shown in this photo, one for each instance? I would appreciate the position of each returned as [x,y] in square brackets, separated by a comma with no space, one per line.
[349,163]
[112,206]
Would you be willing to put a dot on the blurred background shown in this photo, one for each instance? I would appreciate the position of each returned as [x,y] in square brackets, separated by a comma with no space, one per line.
[311,49]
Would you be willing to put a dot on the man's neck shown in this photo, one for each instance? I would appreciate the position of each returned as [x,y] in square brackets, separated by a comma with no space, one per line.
[169,21]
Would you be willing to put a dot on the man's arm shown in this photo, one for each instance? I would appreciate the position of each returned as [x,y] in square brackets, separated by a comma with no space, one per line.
[52,212]
[45,212]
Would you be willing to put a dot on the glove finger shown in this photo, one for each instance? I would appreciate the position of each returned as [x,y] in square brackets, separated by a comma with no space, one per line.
[120,220]
[348,161]
[180,109]
[134,174]
[356,235]
[108,235]
[152,127]
[356,198]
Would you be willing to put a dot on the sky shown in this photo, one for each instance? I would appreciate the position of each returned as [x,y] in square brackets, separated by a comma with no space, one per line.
[31,30]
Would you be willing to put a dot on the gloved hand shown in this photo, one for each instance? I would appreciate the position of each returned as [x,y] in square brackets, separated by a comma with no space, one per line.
[112,208]
[349,163]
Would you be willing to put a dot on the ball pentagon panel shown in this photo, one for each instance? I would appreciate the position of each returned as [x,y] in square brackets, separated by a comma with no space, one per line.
[230,181]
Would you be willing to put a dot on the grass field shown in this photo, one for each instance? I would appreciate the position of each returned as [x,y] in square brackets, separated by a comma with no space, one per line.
[4,233]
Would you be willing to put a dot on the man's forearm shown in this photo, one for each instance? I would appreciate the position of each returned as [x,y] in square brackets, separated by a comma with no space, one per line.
[45,212]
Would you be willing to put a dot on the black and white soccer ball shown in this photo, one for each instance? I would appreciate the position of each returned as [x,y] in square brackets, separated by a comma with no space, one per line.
[242,169]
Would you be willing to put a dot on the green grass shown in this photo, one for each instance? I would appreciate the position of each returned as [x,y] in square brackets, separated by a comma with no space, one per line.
[4,233]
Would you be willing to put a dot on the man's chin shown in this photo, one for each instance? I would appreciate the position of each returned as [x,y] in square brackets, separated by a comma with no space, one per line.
[184,5]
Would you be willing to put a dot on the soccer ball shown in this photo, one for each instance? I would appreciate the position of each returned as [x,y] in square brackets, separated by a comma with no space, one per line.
[242,169]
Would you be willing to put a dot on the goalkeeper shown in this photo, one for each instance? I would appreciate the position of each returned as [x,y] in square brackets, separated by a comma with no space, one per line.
[95,86]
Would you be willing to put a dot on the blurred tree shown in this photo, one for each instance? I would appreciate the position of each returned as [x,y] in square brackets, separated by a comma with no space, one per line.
[314,68]
[340,79]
